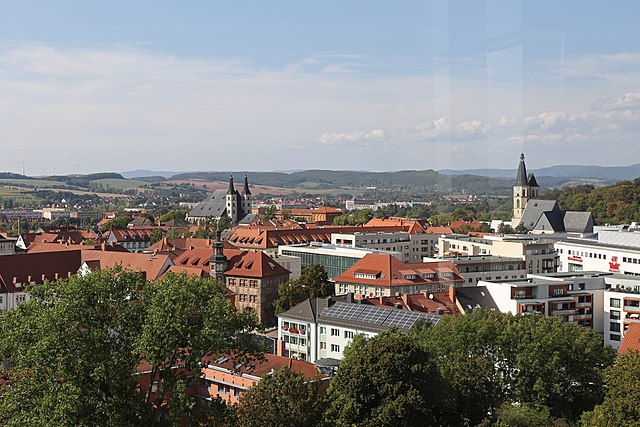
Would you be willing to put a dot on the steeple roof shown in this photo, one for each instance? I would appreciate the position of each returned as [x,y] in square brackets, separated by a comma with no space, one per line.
[231,189]
[246,190]
[521,178]
[532,180]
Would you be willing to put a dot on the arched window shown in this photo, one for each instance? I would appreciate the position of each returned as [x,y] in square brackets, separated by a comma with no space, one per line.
[518,204]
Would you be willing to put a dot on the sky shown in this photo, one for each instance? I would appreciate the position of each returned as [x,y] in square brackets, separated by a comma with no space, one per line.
[343,85]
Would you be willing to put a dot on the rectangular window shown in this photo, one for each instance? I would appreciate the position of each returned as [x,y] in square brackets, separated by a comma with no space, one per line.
[323,345]
[348,334]
[614,337]
[323,330]
[335,348]
[614,314]
[614,327]
[614,302]
[335,332]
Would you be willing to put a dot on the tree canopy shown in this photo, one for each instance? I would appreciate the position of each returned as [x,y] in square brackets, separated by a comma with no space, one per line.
[312,283]
[75,348]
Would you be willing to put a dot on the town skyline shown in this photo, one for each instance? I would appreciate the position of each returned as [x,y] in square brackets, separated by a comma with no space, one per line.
[276,87]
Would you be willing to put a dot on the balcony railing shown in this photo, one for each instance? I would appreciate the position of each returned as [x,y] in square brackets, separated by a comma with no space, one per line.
[584,304]
[582,317]
[632,319]
[632,308]
[563,311]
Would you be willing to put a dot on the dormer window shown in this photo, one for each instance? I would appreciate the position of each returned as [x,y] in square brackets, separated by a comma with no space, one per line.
[365,276]
[409,276]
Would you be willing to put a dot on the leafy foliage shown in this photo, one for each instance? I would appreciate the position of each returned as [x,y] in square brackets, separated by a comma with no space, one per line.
[620,406]
[282,399]
[118,223]
[312,283]
[75,347]
[615,204]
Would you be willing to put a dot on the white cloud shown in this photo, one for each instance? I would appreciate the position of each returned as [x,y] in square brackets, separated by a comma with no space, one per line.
[359,137]
[628,101]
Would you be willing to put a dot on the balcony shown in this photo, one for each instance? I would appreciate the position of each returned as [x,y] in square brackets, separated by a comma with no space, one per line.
[583,316]
[634,308]
[563,312]
[584,304]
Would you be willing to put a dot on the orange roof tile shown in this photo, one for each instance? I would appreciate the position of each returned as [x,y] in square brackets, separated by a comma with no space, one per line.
[631,340]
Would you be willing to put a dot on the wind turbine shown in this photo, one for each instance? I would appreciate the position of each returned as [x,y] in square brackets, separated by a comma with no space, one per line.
[22,161]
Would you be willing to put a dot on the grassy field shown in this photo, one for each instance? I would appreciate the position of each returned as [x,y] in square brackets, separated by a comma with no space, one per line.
[119,184]
[36,183]
[17,194]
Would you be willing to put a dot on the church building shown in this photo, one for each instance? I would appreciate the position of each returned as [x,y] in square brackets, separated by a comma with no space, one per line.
[230,203]
[539,216]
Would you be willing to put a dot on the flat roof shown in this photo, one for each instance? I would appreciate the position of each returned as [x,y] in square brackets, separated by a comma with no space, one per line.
[595,243]
[473,259]
[336,248]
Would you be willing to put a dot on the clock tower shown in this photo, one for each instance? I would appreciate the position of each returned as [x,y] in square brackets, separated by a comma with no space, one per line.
[218,261]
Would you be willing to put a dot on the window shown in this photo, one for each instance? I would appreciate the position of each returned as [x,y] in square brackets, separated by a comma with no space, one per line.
[302,341]
[224,389]
[614,314]
[293,340]
[348,334]
[335,332]
[614,337]
[614,327]
[323,330]
[335,348]
[323,345]
[614,302]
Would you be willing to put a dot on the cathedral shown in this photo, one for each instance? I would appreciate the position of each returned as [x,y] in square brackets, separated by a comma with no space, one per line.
[230,203]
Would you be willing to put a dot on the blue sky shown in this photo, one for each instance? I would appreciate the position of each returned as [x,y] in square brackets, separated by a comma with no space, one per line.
[266,85]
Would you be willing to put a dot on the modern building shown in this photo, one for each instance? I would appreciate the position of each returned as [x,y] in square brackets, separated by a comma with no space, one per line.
[475,268]
[320,216]
[378,275]
[577,255]
[412,247]
[230,203]
[538,254]
[621,307]
[335,259]
[318,330]
[7,246]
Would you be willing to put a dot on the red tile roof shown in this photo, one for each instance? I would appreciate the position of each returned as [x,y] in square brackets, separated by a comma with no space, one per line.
[423,302]
[239,263]
[631,340]
[58,247]
[152,265]
[132,234]
[439,230]
[411,225]
[391,272]
[270,363]
[38,267]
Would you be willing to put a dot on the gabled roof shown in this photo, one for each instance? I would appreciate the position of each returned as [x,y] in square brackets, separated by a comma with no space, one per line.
[140,221]
[131,235]
[578,222]
[631,340]
[531,179]
[534,210]
[239,263]
[424,302]
[175,222]
[214,205]
[59,247]
[73,236]
[152,265]
[388,271]
[439,230]
[37,267]
[267,365]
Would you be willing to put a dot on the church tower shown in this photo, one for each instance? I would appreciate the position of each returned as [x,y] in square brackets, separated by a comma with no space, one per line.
[246,197]
[521,192]
[218,261]
[232,202]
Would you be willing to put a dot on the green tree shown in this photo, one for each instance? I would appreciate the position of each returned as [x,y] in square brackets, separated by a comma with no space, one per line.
[510,415]
[75,348]
[176,214]
[312,283]
[284,399]
[621,406]
[156,236]
[118,223]
[388,380]
[269,212]
[505,229]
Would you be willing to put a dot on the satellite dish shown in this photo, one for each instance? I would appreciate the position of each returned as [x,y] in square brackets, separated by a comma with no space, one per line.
[430,296]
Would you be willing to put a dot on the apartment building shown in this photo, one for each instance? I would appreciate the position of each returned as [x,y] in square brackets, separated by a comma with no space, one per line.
[538,254]
[412,247]
[335,259]
[318,330]
[621,307]
[475,268]
[378,275]
[575,299]
[7,246]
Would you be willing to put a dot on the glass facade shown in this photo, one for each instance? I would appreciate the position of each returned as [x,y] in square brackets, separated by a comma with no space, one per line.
[334,265]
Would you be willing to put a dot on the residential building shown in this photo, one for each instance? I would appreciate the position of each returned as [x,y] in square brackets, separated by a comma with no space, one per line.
[319,216]
[378,275]
[318,330]
[412,247]
[335,259]
[475,268]
[575,299]
[231,203]
[538,254]
[621,307]
[425,302]
[133,239]
[152,266]
[19,271]
[7,246]
[631,341]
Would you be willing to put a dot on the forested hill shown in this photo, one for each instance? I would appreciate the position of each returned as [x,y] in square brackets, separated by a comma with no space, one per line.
[428,181]
[614,204]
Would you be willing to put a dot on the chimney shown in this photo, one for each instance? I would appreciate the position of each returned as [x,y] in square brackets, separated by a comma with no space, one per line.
[405,299]
[164,241]
[452,293]
[104,247]
[350,297]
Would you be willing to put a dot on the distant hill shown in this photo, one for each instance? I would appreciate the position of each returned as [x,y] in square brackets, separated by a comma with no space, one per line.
[144,173]
[9,175]
[610,173]
[614,204]
[428,182]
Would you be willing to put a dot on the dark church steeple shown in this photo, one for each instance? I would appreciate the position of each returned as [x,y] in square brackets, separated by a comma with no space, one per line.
[231,189]
[245,189]
[521,178]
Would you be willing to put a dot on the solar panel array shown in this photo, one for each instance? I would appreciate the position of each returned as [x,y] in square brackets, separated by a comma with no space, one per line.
[378,317]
